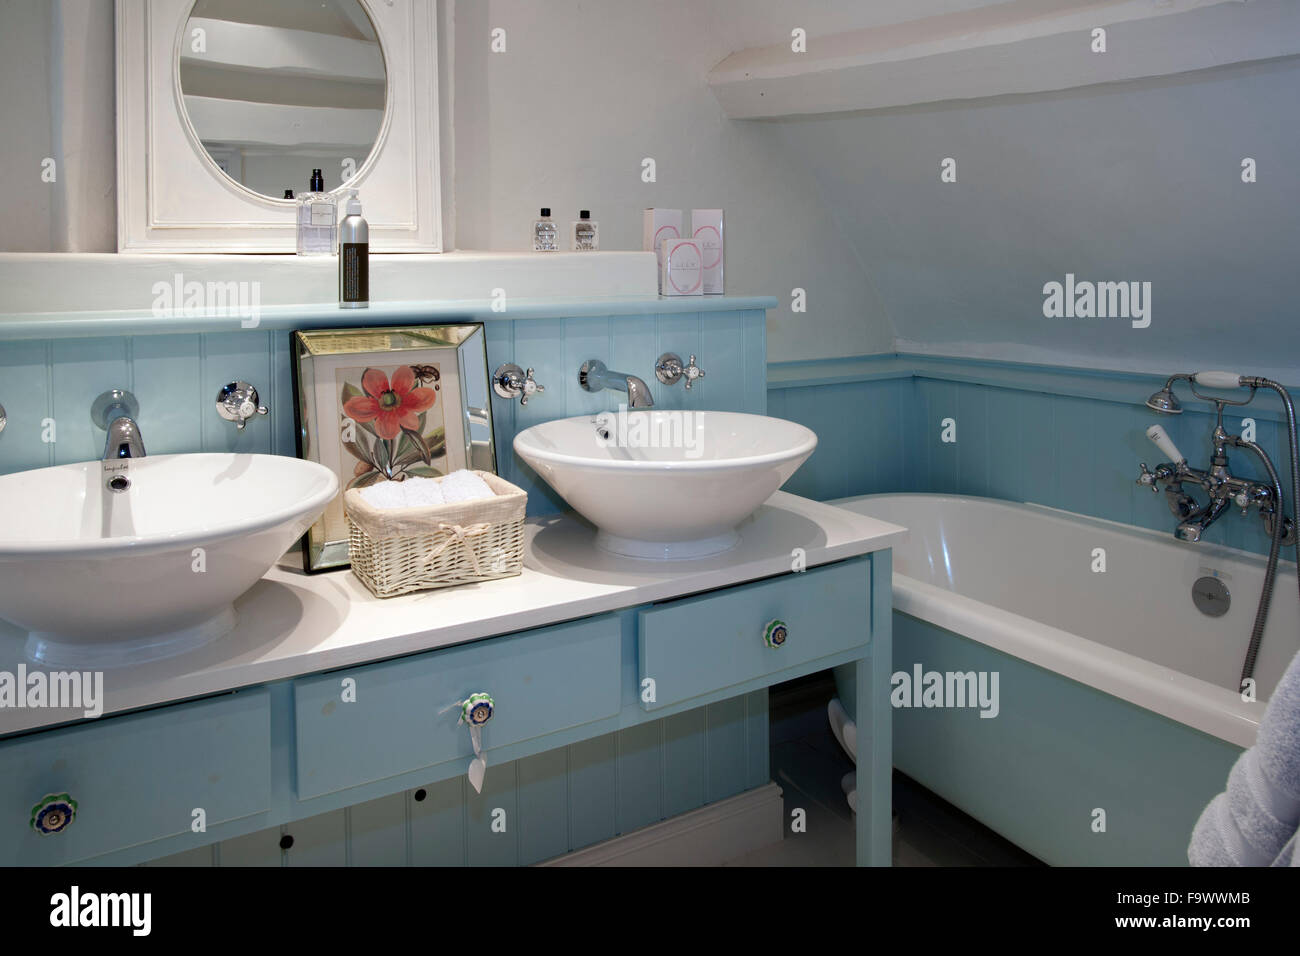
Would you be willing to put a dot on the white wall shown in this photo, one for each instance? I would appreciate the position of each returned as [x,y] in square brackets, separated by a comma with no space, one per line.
[1134,181]
[584,92]
[564,118]
[25,119]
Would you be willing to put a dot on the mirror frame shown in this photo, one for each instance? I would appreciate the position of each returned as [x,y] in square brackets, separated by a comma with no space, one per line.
[172,197]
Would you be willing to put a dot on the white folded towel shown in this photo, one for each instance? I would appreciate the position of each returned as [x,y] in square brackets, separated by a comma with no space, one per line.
[464,486]
[411,493]
[1254,821]
[421,492]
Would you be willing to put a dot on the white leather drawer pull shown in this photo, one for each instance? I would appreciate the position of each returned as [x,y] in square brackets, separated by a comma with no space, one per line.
[475,710]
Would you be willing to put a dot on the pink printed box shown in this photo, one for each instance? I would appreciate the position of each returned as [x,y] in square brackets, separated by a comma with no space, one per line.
[682,269]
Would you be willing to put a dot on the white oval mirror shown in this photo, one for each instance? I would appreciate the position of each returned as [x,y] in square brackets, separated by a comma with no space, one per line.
[273,91]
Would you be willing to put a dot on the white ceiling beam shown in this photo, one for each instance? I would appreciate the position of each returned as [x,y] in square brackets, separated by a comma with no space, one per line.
[1022,46]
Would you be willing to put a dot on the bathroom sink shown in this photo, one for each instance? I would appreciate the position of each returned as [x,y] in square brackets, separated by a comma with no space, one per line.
[666,484]
[101,578]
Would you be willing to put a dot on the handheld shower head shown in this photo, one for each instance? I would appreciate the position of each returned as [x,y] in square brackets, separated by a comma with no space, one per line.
[1164,401]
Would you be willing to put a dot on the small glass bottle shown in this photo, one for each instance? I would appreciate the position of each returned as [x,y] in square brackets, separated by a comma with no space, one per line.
[318,219]
[545,234]
[586,233]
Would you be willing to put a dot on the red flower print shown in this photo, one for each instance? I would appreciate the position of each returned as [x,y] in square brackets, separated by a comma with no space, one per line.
[392,407]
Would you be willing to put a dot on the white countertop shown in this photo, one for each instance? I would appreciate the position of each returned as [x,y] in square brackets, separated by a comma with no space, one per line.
[291,623]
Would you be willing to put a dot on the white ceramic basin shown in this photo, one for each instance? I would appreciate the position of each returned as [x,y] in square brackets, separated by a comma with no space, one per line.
[666,484]
[100,579]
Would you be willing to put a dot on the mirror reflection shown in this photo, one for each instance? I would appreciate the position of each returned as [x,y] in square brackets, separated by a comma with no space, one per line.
[275,90]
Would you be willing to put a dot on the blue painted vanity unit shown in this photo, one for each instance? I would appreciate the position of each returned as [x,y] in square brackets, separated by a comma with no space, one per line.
[324,728]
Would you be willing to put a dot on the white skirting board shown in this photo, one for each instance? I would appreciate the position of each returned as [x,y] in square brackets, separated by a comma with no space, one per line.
[709,836]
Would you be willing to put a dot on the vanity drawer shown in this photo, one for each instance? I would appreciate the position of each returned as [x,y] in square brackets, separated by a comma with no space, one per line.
[702,644]
[541,681]
[137,778]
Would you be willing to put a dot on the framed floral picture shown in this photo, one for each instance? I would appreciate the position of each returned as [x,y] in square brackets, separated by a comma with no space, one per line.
[387,404]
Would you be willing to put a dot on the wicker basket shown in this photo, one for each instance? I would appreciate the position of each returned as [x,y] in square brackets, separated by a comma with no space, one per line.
[400,550]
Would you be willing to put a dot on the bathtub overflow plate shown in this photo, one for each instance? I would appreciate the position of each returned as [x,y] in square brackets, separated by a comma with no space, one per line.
[1211,597]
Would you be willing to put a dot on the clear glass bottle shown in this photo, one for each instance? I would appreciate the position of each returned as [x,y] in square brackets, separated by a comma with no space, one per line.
[318,219]
[546,237]
[586,232]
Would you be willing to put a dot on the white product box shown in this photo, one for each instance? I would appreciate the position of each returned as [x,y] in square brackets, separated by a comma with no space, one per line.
[682,271]
[656,226]
[706,229]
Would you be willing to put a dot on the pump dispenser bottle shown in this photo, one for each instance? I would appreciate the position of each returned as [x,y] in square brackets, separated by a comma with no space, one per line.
[354,256]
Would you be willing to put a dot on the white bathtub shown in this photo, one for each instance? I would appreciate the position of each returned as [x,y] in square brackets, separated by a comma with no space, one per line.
[1018,578]
[1117,717]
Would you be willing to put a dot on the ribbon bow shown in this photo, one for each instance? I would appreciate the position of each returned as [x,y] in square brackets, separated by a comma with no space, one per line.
[460,534]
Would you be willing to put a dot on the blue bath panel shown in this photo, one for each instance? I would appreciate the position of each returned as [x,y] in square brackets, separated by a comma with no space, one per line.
[1056,752]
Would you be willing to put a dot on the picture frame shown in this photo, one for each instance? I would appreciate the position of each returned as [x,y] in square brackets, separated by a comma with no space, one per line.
[386,404]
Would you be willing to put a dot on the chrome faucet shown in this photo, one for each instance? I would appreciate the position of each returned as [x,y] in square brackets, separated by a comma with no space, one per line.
[594,376]
[115,411]
[1221,486]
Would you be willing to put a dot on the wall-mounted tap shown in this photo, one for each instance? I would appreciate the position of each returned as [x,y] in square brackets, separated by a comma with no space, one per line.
[510,381]
[670,370]
[594,376]
[1223,487]
[115,412]
[238,402]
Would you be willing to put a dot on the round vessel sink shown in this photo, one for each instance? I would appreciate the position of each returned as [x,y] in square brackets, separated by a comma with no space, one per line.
[666,484]
[100,578]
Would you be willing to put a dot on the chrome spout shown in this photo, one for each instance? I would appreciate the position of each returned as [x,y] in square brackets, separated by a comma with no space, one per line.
[594,376]
[115,411]
[124,440]
[1194,527]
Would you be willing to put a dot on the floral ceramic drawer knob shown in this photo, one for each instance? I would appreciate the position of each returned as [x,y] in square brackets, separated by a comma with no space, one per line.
[774,634]
[477,709]
[54,813]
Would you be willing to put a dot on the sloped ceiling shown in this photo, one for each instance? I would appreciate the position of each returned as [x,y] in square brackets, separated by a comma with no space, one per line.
[1137,184]
[1138,181]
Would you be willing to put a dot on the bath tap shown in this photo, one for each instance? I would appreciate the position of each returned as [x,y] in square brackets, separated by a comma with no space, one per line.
[1193,528]
[115,411]
[594,376]
[1223,487]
